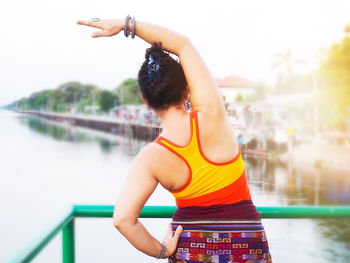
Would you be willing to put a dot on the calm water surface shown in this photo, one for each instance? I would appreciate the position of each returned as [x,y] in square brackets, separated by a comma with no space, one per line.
[46,166]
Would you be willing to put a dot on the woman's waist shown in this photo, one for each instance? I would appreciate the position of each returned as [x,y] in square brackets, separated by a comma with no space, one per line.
[244,210]
[221,226]
[231,194]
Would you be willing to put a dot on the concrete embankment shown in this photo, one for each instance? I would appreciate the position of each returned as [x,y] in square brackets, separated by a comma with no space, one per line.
[104,123]
[335,157]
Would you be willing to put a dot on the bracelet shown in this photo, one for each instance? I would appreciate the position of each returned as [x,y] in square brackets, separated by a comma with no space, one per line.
[133,24]
[126,29]
[162,251]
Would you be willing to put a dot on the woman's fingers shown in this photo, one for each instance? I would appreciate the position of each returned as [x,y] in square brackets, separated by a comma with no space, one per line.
[169,233]
[174,239]
[89,23]
[177,233]
[109,27]
[170,228]
[101,34]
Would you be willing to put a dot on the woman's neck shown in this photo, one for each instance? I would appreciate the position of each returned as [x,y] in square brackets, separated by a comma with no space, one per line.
[172,117]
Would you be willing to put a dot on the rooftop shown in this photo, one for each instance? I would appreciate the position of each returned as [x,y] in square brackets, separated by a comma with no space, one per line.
[233,81]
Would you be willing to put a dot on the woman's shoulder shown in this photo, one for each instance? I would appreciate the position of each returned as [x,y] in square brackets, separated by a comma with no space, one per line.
[150,154]
[148,151]
[147,159]
[169,170]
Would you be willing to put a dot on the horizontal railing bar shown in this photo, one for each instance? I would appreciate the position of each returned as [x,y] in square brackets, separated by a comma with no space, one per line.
[304,211]
[107,211]
[166,212]
[265,211]
[29,252]
[93,210]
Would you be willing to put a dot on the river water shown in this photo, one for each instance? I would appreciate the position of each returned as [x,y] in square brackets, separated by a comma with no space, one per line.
[46,166]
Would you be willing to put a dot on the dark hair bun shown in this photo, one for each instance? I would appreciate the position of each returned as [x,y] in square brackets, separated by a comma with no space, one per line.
[155,50]
[171,87]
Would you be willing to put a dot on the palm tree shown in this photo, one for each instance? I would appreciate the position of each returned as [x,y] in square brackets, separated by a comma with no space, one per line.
[285,63]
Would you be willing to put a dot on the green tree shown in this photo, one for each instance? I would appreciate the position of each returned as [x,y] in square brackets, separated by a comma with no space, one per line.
[83,103]
[239,98]
[39,100]
[335,84]
[260,92]
[128,92]
[23,104]
[73,91]
[347,29]
[57,100]
[107,100]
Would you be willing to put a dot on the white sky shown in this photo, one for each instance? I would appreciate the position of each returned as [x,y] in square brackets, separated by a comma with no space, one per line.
[42,47]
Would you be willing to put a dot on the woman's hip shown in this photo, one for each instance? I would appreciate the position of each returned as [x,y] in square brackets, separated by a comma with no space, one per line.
[221,241]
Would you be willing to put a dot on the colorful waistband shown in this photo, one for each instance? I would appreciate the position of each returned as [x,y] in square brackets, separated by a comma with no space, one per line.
[219,225]
[242,210]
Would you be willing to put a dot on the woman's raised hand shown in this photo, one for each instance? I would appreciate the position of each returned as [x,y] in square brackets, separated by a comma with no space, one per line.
[109,27]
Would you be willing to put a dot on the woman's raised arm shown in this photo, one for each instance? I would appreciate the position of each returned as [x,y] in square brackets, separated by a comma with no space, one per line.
[204,93]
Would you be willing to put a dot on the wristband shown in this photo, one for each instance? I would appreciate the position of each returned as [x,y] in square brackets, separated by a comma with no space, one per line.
[162,252]
[133,24]
[126,29]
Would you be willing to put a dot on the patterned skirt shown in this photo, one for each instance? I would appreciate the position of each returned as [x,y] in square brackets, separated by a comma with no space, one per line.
[221,240]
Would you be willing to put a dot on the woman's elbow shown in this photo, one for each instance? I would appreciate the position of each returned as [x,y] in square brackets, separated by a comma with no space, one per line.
[185,43]
[122,222]
[118,222]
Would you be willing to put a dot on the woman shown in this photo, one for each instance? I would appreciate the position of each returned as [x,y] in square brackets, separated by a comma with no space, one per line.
[196,157]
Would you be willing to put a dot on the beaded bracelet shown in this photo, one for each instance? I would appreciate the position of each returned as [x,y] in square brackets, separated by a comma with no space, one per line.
[133,24]
[126,29]
[162,251]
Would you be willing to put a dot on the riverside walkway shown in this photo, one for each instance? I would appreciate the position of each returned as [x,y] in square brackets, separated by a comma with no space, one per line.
[105,123]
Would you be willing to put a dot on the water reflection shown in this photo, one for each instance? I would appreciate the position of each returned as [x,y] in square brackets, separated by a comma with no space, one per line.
[312,186]
[66,132]
[336,230]
[293,185]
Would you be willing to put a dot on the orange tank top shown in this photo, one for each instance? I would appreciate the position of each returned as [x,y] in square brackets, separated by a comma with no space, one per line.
[209,183]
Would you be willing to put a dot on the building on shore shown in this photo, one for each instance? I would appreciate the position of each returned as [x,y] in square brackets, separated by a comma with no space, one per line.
[233,87]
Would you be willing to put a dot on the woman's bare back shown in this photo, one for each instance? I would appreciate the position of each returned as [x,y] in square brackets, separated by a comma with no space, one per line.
[216,139]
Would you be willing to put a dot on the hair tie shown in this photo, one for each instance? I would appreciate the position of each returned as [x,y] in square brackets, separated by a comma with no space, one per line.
[153,70]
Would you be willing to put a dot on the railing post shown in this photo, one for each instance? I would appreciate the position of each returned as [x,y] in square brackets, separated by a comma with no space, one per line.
[68,253]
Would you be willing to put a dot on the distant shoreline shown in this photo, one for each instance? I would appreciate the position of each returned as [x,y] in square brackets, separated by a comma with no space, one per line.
[104,123]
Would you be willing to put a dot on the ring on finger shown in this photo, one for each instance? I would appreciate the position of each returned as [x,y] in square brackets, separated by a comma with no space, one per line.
[94,19]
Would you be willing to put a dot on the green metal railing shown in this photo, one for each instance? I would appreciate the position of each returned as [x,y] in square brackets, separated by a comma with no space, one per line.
[66,224]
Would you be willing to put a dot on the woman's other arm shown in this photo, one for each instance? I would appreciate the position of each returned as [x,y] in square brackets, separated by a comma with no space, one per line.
[139,186]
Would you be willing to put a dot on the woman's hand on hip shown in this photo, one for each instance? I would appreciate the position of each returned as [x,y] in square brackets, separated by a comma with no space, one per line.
[109,27]
[171,239]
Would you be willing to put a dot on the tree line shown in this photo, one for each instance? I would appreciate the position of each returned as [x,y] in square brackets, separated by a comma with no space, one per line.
[83,97]
[334,99]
